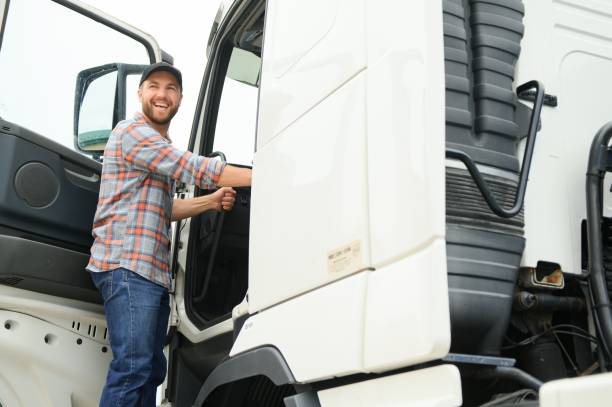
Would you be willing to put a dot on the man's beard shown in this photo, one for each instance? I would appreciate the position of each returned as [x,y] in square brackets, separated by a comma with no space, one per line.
[147,109]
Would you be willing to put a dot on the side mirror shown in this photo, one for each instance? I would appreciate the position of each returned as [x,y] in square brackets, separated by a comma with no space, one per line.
[101,102]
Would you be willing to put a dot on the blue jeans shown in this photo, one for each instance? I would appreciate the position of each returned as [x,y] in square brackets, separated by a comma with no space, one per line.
[137,312]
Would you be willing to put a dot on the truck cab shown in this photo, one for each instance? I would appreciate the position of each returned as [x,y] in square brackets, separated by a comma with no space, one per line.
[417,231]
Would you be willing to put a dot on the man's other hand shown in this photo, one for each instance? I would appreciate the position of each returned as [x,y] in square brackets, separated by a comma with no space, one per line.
[223,199]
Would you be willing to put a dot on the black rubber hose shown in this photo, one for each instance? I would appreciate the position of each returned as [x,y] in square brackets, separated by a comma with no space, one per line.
[510,373]
[594,197]
[212,257]
[524,301]
[524,175]
[215,247]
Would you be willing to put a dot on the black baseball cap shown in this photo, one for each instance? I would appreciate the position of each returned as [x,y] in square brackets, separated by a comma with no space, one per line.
[162,66]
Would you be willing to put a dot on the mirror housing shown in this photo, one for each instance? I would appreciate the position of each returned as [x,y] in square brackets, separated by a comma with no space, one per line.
[105,107]
[245,67]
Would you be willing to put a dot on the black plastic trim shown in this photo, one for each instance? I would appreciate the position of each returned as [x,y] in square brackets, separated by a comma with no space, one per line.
[48,144]
[514,5]
[266,361]
[305,399]
[520,194]
[504,161]
[466,207]
[482,41]
[46,269]
[458,117]
[501,44]
[495,65]
[458,83]
[453,9]
[549,100]
[68,219]
[497,93]
[499,21]
[167,57]
[484,239]
[453,31]
[455,55]
[28,235]
[503,128]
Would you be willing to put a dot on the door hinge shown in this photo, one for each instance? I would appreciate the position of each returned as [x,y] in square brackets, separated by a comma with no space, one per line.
[174,315]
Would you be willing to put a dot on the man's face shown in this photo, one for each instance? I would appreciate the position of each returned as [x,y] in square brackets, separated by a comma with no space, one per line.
[160,96]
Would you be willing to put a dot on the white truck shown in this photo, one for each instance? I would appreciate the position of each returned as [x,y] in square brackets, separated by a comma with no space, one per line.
[383,256]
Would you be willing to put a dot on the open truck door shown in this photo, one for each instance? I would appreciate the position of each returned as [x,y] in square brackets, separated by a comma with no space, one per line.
[53,335]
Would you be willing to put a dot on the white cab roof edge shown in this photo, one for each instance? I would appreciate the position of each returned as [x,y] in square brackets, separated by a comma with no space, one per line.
[222,11]
[3,13]
[114,23]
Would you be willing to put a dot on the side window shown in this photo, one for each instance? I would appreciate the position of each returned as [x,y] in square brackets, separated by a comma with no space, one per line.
[131,98]
[39,65]
[237,115]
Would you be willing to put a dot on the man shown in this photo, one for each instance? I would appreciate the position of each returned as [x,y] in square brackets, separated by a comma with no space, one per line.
[129,258]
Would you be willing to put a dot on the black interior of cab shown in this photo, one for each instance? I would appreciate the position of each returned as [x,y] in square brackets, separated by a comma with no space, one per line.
[218,255]
[222,257]
[251,37]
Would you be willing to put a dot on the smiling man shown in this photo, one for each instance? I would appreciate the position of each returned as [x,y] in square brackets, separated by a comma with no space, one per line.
[161,95]
[129,260]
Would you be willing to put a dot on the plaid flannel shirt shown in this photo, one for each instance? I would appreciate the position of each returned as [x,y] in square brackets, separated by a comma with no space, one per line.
[132,222]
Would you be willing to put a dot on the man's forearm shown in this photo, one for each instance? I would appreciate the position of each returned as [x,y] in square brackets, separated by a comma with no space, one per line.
[235,177]
[186,208]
